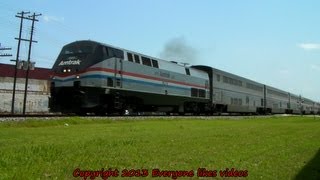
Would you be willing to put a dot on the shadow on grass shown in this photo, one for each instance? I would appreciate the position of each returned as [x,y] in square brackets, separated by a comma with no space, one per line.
[311,170]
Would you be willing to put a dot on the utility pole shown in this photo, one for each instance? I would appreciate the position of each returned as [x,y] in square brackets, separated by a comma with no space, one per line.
[28,62]
[22,17]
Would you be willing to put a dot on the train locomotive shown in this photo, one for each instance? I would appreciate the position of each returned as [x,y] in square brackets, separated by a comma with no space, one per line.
[90,76]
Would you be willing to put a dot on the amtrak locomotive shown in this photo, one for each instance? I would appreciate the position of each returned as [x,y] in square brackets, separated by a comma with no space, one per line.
[89,76]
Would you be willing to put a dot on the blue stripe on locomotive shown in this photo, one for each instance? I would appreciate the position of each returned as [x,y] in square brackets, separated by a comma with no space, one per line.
[124,80]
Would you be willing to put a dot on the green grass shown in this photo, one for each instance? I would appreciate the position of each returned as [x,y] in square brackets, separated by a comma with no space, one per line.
[268,148]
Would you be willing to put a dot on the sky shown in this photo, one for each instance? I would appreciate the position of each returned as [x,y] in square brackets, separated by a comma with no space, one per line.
[273,42]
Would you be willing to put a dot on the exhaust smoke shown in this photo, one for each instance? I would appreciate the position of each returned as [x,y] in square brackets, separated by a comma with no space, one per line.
[177,49]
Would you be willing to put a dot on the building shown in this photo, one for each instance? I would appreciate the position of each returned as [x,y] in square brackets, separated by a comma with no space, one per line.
[38,89]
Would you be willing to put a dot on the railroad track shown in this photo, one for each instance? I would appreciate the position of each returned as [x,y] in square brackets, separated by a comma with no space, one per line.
[20,117]
[141,116]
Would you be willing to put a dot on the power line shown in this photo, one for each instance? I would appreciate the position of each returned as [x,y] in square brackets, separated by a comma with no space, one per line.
[5,54]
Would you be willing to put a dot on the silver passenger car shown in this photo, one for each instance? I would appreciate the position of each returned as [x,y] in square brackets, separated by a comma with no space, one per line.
[232,93]
[277,101]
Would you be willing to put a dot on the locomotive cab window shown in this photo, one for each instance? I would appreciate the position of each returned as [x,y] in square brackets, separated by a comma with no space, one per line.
[112,52]
[146,61]
[105,52]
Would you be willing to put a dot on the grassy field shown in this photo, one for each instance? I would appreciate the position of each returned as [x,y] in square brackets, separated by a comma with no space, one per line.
[261,148]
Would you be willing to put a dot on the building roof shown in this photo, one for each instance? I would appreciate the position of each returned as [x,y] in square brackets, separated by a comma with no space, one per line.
[7,70]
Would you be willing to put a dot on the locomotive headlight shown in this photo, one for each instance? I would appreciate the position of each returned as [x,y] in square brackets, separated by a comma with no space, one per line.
[69,70]
[64,70]
[77,76]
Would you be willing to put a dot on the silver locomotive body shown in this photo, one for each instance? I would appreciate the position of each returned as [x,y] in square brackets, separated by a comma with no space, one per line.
[127,81]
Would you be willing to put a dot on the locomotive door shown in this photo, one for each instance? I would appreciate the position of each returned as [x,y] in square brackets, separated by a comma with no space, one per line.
[118,67]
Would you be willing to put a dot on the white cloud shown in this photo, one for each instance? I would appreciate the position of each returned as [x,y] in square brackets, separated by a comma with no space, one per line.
[310,46]
[53,18]
[315,67]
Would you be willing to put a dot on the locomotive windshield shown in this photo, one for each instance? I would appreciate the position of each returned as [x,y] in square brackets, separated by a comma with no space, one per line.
[76,55]
[80,55]
[77,50]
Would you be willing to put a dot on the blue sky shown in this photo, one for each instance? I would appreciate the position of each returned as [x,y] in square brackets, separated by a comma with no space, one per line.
[272,42]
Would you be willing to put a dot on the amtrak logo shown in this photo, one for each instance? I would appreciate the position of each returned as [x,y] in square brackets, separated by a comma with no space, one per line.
[70,61]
